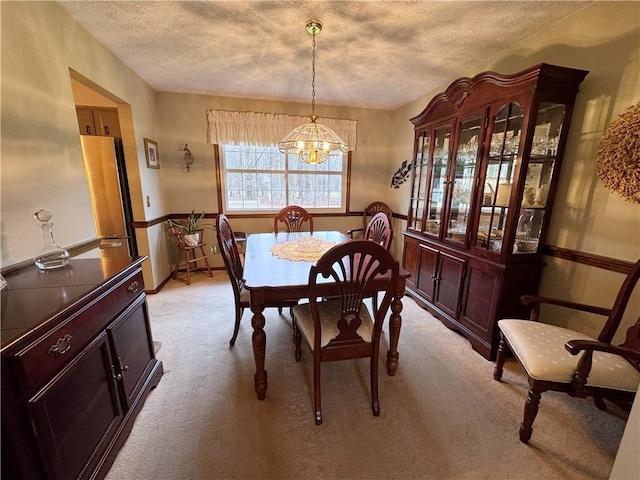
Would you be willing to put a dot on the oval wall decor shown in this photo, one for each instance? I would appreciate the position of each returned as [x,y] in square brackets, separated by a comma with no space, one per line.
[618,155]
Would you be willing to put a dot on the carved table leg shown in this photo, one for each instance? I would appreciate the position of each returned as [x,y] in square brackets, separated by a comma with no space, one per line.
[259,341]
[395,322]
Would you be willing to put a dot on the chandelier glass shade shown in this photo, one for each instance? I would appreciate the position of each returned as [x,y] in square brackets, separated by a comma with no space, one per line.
[313,142]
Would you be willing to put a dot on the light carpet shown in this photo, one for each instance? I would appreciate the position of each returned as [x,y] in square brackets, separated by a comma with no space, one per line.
[442,414]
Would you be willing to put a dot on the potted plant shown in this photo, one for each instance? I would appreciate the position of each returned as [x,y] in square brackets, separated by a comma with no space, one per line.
[189,233]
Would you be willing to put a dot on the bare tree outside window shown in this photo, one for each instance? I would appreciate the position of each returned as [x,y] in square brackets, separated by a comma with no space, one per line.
[259,178]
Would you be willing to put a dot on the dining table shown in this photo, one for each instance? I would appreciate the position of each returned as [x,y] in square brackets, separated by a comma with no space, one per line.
[276,269]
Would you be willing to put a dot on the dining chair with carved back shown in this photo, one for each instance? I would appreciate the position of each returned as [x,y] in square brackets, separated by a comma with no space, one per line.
[379,231]
[559,359]
[367,215]
[234,267]
[295,219]
[342,328]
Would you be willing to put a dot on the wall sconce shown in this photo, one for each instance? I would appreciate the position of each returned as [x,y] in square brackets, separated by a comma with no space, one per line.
[188,158]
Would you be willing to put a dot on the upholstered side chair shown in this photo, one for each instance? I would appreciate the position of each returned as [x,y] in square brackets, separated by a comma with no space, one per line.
[558,359]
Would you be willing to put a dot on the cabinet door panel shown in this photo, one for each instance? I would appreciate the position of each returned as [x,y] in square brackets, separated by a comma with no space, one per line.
[107,122]
[86,124]
[478,312]
[449,284]
[410,262]
[428,269]
[133,349]
[84,390]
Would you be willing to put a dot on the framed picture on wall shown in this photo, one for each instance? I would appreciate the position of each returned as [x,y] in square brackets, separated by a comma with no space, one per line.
[151,152]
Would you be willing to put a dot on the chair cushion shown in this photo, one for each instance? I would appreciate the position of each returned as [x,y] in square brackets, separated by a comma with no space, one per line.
[329,312]
[539,348]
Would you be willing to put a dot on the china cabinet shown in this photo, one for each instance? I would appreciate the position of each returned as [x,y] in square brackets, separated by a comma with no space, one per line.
[78,362]
[487,158]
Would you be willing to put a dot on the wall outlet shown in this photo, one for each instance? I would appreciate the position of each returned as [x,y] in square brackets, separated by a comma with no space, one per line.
[214,250]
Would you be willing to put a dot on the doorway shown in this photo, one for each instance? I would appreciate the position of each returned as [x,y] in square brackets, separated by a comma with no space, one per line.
[106,172]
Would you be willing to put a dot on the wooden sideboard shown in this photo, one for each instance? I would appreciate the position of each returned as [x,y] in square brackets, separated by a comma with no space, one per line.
[78,362]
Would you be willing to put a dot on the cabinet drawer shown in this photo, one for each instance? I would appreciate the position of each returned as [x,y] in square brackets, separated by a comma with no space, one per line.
[40,360]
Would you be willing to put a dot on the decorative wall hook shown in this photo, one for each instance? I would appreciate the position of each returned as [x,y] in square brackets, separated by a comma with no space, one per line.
[188,158]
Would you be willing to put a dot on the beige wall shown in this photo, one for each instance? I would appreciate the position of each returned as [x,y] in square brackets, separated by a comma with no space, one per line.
[603,38]
[40,151]
[182,119]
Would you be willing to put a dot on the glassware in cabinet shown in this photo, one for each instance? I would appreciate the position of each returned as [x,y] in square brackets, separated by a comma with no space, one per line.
[539,176]
[463,178]
[439,179]
[501,166]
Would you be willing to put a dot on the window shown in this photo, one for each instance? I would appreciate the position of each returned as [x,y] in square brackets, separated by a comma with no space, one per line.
[261,178]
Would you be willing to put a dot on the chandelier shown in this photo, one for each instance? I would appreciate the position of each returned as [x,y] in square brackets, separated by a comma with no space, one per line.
[313,142]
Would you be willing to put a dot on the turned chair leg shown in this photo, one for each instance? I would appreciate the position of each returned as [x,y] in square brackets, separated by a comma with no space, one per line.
[530,412]
[502,356]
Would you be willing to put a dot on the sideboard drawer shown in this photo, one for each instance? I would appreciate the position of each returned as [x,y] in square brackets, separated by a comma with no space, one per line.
[40,360]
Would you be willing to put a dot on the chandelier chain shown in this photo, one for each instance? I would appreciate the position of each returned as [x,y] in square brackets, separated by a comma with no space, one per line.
[313,77]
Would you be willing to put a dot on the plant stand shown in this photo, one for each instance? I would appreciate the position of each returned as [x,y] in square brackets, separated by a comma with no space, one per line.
[188,256]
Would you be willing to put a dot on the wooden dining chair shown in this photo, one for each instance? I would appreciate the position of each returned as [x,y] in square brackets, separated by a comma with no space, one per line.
[558,359]
[233,264]
[379,231]
[295,219]
[342,328]
[369,212]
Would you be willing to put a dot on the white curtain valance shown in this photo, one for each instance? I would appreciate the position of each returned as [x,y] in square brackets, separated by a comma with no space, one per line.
[254,128]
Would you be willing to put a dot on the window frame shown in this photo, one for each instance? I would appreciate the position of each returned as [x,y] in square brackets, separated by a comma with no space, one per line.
[223,201]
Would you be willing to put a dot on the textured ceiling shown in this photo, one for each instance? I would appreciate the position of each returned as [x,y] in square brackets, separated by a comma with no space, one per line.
[377,54]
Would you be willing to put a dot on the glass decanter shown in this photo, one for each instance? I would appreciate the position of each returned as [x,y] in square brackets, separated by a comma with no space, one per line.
[51,255]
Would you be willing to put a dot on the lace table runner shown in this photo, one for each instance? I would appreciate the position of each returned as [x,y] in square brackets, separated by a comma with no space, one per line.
[304,249]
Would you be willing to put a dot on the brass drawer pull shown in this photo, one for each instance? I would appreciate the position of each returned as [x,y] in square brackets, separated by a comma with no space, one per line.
[133,288]
[62,346]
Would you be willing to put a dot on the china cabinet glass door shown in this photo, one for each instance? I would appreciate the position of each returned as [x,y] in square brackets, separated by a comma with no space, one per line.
[463,178]
[419,188]
[540,169]
[499,175]
[439,180]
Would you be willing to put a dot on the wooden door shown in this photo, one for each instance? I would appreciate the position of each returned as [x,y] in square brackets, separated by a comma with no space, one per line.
[86,124]
[107,122]
[410,262]
[450,273]
[70,444]
[132,349]
[428,272]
